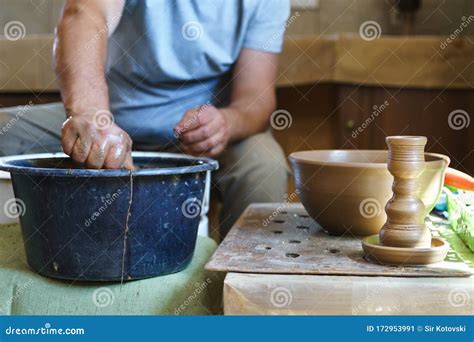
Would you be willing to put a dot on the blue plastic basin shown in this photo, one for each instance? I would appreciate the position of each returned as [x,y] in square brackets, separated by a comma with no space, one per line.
[73,219]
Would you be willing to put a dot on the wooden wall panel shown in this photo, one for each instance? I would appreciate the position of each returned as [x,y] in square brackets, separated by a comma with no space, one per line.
[409,112]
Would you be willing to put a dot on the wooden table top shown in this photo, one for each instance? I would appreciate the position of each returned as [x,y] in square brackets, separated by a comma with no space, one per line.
[281,238]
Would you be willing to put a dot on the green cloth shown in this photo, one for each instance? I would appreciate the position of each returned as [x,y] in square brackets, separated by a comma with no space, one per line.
[459,252]
[192,291]
[461,217]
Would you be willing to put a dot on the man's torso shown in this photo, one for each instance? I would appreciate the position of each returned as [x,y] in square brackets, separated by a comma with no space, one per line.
[166,57]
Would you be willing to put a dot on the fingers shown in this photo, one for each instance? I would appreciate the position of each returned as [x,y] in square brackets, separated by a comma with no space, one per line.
[68,136]
[206,145]
[97,155]
[213,152]
[188,122]
[81,148]
[116,157]
[216,151]
[119,155]
[128,164]
[109,148]
[201,133]
[194,118]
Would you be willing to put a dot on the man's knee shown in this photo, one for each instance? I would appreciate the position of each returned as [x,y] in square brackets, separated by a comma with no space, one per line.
[255,150]
[254,170]
[31,128]
[267,181]
[257,166]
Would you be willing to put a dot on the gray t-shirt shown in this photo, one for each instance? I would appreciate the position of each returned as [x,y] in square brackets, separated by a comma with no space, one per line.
[168,56]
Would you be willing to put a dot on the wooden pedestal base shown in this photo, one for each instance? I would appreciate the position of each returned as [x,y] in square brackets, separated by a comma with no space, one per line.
[404,256]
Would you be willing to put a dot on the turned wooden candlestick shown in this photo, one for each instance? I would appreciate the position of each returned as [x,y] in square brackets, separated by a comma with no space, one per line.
[405,226]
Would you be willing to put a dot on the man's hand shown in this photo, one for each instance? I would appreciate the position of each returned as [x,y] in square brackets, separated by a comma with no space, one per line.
[97,146]
[80,51]
[203,131]
[208,130]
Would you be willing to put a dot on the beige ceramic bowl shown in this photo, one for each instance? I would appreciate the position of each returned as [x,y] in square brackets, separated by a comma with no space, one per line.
[345,191]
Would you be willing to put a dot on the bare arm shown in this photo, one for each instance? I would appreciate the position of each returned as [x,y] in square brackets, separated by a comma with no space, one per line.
[208,130]
[80,50]
[253,93]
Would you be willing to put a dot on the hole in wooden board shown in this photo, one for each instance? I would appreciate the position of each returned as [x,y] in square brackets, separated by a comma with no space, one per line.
[302,227]
[279,221]
[334,250]
[277,231]
[284,212]
[303,215]
[292,255]
[262,248]
[294,241]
